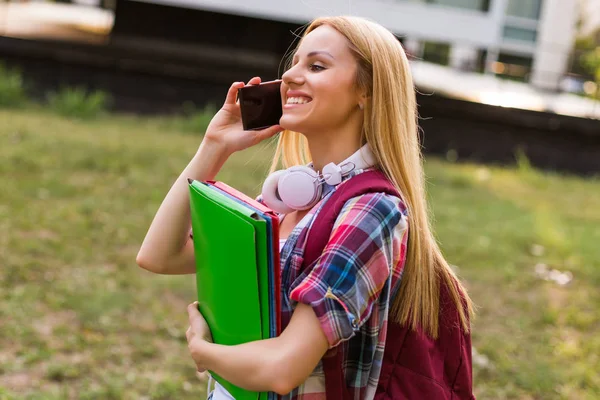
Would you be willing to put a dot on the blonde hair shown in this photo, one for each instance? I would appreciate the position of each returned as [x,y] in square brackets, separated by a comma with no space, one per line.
[390,128]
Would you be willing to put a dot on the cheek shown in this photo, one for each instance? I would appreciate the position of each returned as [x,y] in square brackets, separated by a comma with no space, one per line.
[337,97]
[282,91]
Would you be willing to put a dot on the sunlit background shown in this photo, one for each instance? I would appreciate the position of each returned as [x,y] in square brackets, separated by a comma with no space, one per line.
[539,43]
[103,103]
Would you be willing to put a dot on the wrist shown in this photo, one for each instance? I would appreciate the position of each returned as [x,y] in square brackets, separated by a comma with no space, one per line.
[208,160]
[214,147]
[201,351]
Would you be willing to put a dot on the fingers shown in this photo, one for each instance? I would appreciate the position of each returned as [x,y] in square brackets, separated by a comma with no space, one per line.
[233,89]
[232,92]
[192,347]
[254,81]
[193,313]
[193,330]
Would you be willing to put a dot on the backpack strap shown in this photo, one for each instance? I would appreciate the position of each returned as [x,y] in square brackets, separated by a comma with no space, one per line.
[367,182]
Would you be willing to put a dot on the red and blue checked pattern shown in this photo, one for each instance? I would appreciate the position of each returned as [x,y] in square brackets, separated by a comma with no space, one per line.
[349,286]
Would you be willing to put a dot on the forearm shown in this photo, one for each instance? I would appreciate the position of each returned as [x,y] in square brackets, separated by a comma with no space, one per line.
[257,366]
[168,232]
[274,365]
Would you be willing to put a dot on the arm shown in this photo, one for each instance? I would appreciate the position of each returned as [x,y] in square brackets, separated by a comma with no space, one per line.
[167,248]
[331,305]
[277,365]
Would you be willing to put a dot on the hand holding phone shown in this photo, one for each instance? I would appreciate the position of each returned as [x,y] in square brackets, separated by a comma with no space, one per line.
[260,105]
[226,132]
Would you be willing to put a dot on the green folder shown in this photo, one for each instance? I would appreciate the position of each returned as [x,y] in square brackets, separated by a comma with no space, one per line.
[230,245]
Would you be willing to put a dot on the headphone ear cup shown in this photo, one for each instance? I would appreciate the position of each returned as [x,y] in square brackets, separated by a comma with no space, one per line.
[299,188]
[270,193]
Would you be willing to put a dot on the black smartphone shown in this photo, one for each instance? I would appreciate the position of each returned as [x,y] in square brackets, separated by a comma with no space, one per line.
[260,105]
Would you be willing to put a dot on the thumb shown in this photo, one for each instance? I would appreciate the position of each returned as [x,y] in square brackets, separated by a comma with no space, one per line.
[193,312]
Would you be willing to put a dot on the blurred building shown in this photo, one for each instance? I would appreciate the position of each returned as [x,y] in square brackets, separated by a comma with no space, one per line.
[526,40]
[590,18]
[157,55]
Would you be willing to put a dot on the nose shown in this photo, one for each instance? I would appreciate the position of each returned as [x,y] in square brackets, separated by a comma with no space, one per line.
[293,76]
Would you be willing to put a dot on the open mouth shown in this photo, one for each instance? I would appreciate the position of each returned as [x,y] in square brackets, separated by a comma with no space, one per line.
[298,100]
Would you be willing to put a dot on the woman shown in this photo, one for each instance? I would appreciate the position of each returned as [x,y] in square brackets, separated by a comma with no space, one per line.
[348,87]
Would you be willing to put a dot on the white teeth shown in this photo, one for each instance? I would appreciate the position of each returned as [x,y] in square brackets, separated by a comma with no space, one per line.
[297,100]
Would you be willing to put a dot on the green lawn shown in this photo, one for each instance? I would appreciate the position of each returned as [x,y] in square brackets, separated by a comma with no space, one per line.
[80,320]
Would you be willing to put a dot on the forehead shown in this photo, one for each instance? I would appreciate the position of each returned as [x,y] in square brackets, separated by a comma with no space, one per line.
[324,38]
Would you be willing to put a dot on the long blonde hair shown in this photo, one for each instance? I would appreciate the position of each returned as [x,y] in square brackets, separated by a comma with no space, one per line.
[390,128]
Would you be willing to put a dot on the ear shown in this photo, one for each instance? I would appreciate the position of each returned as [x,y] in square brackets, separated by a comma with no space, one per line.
[362,98]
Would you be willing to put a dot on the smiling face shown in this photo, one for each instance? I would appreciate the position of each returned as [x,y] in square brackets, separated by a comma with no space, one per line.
[318,92]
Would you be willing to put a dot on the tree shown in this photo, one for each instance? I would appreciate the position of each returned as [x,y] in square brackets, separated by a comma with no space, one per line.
[591,61]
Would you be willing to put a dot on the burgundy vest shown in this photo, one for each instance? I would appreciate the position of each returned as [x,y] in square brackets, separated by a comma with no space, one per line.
[414,366]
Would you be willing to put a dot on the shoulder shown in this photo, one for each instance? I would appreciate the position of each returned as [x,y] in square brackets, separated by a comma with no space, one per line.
[373,210]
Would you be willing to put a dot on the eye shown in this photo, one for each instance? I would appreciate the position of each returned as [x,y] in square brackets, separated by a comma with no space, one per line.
[316,68]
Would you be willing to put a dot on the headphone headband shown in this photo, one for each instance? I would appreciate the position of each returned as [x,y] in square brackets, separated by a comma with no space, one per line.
[300,187]
[363,158]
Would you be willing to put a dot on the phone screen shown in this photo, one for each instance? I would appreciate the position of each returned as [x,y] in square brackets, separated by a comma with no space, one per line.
[260,105]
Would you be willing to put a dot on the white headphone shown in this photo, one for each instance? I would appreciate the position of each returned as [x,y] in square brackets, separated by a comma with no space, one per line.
[301,187]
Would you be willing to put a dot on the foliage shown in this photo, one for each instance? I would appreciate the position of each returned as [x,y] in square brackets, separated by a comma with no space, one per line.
[78,102]
[591,61]
[12,88]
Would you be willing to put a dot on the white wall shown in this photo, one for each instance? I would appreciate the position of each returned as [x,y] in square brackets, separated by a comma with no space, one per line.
[463,57]
[556,36]
[465,30]
[591,16]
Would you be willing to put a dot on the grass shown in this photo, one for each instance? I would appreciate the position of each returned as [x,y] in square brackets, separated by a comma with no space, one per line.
[79,320]
[78,102]
[12,88]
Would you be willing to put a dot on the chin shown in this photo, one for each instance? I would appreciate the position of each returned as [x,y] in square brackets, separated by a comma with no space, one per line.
[290,123]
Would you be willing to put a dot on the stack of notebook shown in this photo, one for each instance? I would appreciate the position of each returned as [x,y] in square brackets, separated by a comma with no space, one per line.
[236,243]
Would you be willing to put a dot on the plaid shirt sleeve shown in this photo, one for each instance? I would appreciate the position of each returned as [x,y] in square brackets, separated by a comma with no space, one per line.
[344,283]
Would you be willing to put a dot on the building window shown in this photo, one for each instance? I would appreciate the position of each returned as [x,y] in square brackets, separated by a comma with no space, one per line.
[529,9]
[520,34]
[513,67]
[479,5]
[437,53]
[480,61]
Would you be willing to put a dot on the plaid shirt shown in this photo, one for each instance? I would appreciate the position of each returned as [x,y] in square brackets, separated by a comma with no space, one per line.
[349,286]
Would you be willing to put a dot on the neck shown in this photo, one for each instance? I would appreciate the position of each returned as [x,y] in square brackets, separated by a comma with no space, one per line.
[335,151]
[335,146]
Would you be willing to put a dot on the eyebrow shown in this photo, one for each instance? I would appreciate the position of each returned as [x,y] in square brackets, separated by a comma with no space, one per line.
[314,53]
